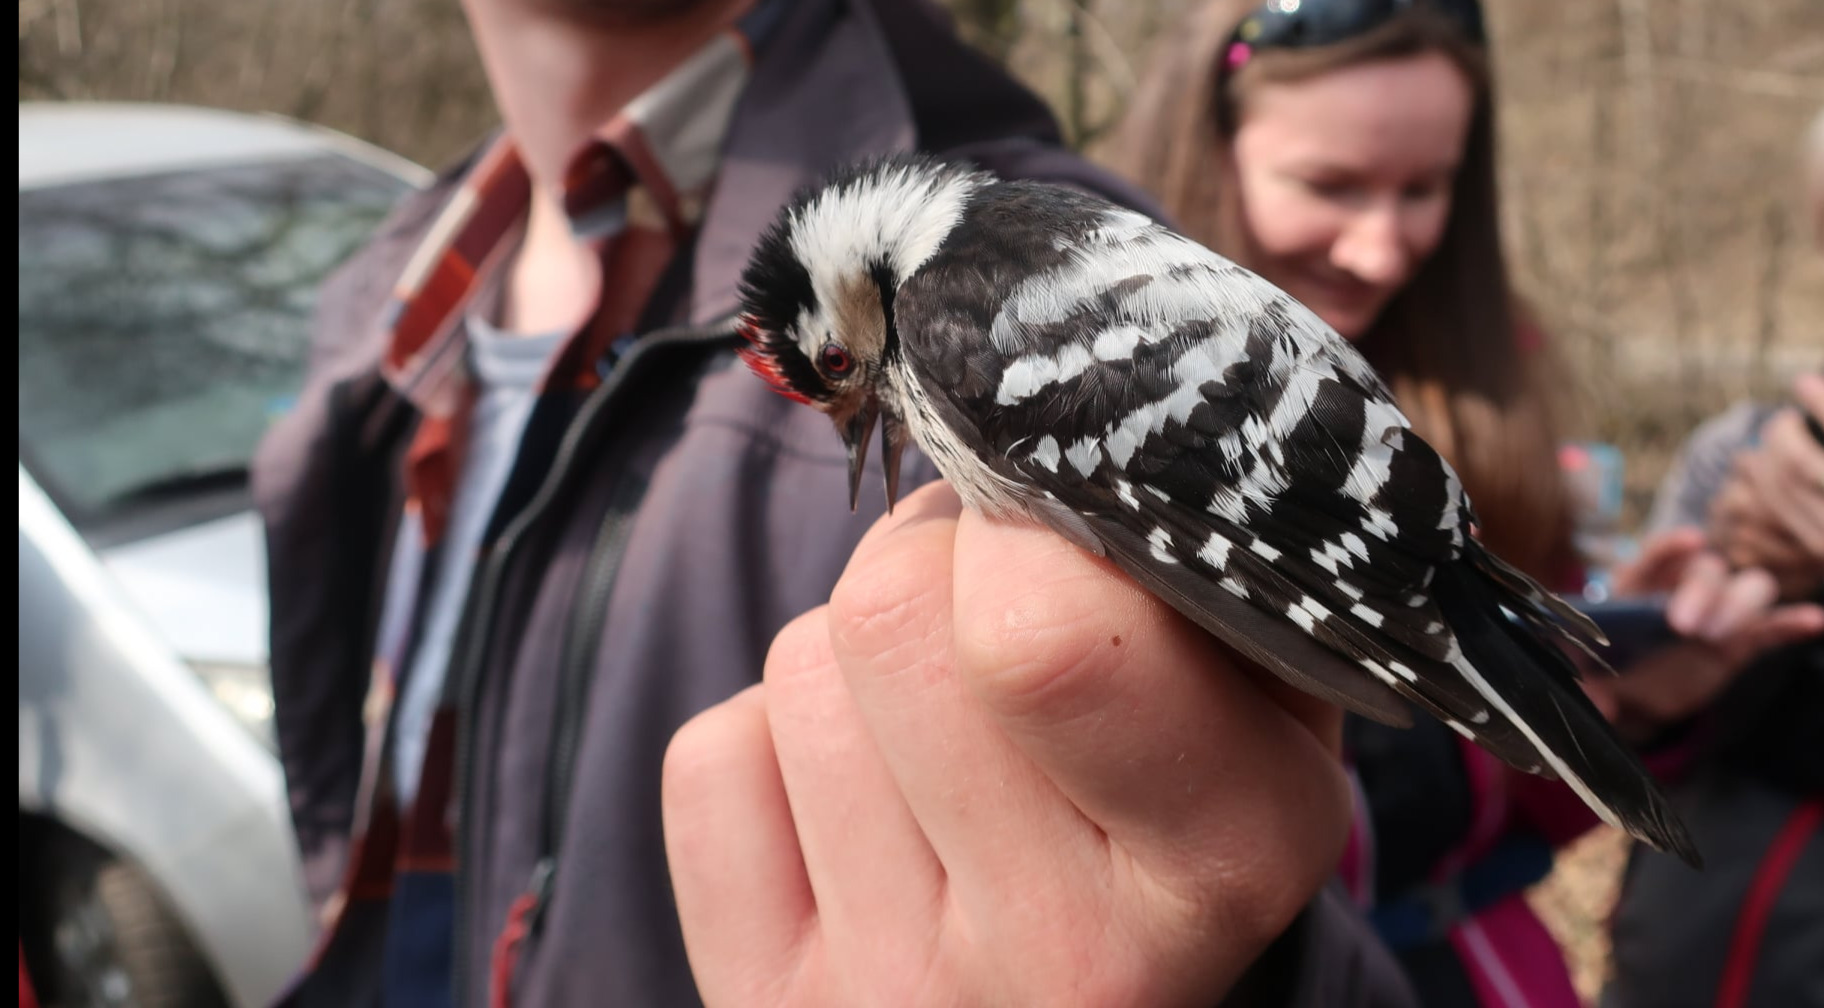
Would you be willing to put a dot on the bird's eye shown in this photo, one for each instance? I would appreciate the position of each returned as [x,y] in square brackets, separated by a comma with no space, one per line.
[834,360]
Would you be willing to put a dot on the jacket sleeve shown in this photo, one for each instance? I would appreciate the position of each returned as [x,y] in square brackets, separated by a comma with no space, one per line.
[320,480]
[317,677]
[1328,958]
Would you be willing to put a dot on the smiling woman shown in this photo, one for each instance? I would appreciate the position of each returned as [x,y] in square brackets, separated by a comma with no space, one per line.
[1347,154]
[1346,181]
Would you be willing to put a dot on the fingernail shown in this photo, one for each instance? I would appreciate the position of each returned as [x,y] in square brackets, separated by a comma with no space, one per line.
[1681,616]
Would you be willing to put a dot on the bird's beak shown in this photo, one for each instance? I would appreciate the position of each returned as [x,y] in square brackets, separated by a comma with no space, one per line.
[894,436]
[858,432]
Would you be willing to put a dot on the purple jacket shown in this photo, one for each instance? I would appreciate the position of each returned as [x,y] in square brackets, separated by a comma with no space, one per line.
[670,526]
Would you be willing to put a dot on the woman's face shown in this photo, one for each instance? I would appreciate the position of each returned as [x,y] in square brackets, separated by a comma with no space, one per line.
[1345,180]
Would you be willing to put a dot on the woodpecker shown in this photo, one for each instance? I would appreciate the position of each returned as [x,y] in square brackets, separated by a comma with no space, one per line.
[1070,362]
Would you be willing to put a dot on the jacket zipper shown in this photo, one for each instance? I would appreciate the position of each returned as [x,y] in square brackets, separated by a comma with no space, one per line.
[576,665]
[475,628]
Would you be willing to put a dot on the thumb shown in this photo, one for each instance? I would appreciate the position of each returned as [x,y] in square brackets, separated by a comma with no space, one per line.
[1142,719]
[1662,560]
[1785,625]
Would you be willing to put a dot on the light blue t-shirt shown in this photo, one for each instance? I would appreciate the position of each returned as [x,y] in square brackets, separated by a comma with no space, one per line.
[506,369]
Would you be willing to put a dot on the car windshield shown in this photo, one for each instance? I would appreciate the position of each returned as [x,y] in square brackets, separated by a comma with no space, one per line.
[163,322]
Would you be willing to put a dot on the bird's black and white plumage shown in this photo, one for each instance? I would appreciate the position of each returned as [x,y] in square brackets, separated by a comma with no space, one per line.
[1075,363]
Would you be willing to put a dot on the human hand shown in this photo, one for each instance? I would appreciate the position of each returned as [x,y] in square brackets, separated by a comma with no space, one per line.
[1726,617]
[1770,512]
[994,771]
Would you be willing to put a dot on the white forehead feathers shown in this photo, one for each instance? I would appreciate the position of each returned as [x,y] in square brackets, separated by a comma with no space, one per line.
[897,215]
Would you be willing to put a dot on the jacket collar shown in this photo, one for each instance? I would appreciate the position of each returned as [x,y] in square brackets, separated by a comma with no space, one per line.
[824,92]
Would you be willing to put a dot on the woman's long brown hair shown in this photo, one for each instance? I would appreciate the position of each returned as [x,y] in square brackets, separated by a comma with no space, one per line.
[1465,364]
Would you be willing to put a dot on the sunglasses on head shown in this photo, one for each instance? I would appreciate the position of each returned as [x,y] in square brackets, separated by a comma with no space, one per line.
[1296,24]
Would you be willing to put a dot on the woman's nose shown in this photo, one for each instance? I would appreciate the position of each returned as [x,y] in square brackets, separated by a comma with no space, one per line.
[1372,248]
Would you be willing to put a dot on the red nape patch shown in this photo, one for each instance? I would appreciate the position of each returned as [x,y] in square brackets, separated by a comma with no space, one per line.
[763,363]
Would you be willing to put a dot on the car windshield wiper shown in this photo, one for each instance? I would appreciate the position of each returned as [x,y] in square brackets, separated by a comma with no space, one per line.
[191,483]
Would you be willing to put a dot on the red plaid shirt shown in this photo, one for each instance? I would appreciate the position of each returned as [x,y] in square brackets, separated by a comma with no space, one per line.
[633,192]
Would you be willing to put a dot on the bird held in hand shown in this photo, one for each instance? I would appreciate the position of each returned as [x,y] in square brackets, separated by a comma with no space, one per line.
[1067,361]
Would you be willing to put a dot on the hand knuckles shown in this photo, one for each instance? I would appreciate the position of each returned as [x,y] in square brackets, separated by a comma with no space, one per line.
[881,605]
[1028,648]
[701,749]
[800,649]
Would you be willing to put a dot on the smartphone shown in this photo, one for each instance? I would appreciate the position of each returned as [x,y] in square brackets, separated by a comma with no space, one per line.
[1634,626]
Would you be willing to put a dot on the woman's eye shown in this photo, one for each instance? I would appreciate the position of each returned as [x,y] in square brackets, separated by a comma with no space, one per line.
[834,360]
[1331,189]
[1423,191]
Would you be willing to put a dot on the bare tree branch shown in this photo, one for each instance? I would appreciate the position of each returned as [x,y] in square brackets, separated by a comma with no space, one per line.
[1766,83]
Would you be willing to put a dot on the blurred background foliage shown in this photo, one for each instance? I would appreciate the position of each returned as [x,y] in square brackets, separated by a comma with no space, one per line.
[1650,150]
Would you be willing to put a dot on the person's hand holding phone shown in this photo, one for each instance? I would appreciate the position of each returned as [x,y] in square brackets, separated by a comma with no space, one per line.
[1770,512]
[1722,617]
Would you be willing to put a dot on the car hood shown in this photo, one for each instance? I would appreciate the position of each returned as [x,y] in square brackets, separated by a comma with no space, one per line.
[203,587]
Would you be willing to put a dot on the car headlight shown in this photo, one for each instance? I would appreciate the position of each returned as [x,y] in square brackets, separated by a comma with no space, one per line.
[245,691]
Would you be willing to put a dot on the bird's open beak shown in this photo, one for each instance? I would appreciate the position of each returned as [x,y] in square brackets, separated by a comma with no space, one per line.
[893,435]
[857,433]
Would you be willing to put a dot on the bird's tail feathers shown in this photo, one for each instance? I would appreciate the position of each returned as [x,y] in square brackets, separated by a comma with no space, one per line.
[1533,685]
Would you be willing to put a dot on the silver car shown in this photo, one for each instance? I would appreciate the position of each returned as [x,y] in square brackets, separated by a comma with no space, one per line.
[168,261]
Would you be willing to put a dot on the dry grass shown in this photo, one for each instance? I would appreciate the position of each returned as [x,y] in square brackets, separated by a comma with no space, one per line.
[1575,901]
